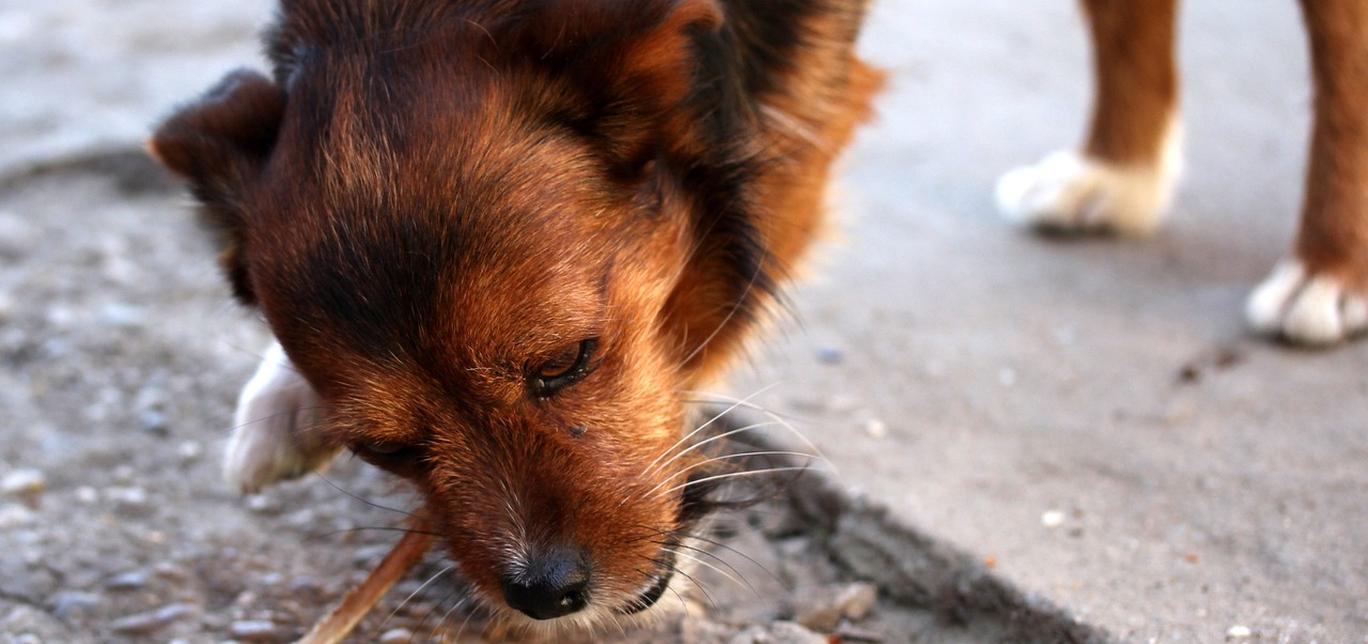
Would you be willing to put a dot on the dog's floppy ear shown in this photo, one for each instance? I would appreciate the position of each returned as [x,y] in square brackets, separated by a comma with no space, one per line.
[220,143]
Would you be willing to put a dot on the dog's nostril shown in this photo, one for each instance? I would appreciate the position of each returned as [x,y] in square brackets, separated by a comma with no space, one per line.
[553,584]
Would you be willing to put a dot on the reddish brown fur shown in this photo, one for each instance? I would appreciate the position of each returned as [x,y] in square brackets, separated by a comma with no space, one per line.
[1136,99]
[431,199]
[1334,230]
[1135,78]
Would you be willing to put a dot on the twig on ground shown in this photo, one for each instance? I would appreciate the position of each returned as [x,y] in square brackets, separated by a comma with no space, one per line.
[339,622]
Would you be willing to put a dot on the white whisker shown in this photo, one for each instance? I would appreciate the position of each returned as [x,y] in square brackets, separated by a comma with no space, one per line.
[721,436]
[728,457]
[441,621]
[465,622]
[705,425]
[719,571]
[413,594]
[731,475]
[777,418]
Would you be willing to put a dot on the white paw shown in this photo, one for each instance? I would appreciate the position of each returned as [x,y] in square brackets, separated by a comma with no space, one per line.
[274,437]
[1071,192]
[1312,309]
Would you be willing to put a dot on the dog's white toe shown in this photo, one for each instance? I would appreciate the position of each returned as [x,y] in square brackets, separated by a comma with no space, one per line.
[274,437]
[1306,308]
[1071,192]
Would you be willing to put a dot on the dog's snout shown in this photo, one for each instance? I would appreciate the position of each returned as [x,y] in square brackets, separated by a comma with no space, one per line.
[553,584]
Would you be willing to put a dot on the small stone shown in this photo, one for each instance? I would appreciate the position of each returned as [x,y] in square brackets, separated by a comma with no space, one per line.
[27,483]
[830,355]
[255,630]
[150,621]
[791,633]
[857,600]
[14,516]
[272,579]
[848,633]
[396,635]
[129,500]
[1052,518]
[875,428]
[302,518]
[262,504]
[70,604]
[190,451]
[694,629]
[794,546]
[131,580]
[1238,632]
[87,495]
[752,635]
[841,403]
[168,570]
[123,316]
[305,584]
[822,615]
[823,609]
[153,421]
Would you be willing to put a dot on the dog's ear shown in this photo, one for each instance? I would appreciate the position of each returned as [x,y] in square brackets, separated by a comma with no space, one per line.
[220,144]
[658,63]
[641,61]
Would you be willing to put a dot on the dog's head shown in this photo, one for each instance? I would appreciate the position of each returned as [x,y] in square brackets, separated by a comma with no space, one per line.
[501,251]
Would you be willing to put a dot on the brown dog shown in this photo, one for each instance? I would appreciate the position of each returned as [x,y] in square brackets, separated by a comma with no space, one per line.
[498,240]
[1123,177]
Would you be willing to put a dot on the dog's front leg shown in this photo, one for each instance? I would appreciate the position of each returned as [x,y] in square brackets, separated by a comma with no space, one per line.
[275,427]
[1122,179]
[1319,295]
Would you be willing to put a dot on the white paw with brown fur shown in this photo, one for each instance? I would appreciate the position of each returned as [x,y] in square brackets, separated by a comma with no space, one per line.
[273,427]
[1071,192]
[1306,307]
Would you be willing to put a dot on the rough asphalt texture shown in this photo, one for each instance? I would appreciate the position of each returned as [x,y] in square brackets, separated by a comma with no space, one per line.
[1086,418]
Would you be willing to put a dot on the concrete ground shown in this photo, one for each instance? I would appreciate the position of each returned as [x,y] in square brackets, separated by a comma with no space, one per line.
[1088,417]
[1025,381]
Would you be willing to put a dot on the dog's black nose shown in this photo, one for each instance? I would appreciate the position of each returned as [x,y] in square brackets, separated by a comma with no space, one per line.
[553,584]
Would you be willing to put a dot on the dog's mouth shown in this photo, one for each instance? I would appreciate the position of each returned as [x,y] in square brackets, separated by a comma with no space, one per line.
[664,573]
[651,595]
[694,505]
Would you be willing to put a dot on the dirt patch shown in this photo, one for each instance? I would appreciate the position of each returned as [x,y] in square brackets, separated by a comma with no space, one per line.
[120,355]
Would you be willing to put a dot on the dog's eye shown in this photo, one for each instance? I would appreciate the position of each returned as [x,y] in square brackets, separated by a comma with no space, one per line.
[563,369]
[385,449]
[399,458]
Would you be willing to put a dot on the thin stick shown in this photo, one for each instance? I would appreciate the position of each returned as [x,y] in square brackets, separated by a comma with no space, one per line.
[346,615]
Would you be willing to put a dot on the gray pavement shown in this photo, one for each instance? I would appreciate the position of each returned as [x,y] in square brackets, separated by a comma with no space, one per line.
[1087,417]
[1025,381]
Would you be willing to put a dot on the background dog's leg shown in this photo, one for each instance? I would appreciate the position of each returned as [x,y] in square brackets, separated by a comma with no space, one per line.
[1320,295]
[1123,177]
